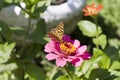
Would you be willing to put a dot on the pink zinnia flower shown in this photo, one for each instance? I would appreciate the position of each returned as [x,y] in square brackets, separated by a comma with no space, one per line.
[66,51]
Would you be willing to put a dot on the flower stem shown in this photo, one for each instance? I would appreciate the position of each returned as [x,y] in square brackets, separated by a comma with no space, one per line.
[97,29]
[68,73]
[29,25]
[22,50]
[21,69]
[96,23]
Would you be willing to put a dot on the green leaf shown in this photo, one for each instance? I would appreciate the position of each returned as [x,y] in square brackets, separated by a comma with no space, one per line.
[4,29]
[113,49]
[5,51]
[4,76]
[7,67]
[32,51]
[39,33]
[65,77]
[114,42]
[89,28]
[115,72]
[104,62]
[38,9]
[116,78]
[99,74]
[33,1]
[113,77]
[115,65]
[102,59]
[75,77]
[17,31]
[12,1]
[84,67]
[101,41]
[34,71]
[97,52]
[54,73]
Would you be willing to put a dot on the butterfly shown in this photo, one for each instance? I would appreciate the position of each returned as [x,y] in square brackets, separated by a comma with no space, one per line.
[57,33]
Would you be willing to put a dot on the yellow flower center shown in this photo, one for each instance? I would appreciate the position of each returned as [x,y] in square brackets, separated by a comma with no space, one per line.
[67,48]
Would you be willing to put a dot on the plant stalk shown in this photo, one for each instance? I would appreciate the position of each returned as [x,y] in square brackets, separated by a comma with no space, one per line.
[97,29]
[22,50]
[68,73]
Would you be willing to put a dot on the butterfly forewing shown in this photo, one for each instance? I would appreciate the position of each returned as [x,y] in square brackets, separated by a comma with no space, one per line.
[57,33]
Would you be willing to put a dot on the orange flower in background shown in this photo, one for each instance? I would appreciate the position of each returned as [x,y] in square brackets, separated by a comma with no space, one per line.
[92,10]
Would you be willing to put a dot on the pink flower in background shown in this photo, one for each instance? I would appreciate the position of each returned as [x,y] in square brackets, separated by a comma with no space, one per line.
[66,51]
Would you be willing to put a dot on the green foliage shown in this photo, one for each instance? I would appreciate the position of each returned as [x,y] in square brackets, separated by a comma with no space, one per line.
[88,28]
[5,52]
[65,77]
[103,64]
[100,74]
[100,66]
[17,65]
[39,33]
[113,50]
[32,51]
[2,3]
[26,60]
[110,12]
[12,1]
[38,9]
[6,66]
[34,72]
[5,31]
[115,65]
[101,40]
[100,57]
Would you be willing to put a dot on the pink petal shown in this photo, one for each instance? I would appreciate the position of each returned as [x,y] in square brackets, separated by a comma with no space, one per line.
[60,62]
[66,38]
[51,56]
[85,56]
[77,62]
[82,49]
[50,47]
[72,57]
[76,43]
[69,59]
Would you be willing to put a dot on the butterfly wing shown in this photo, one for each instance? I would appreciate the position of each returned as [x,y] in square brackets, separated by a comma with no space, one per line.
[57,33]
[60,30]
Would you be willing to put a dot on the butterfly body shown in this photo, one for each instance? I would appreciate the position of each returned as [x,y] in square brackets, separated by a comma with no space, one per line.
[57,33]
